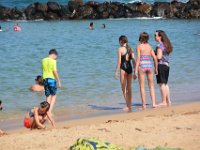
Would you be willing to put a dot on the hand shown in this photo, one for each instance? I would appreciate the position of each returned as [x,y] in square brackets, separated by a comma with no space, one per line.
[116,76]
[156,71]
[59,85]
[134,77]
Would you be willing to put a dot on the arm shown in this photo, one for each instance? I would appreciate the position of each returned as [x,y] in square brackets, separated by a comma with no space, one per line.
[155,61]
[55,72]
[32,88]
[118,63]
[134,65]
[51,119]
[133,60]
[159,53]
[137,61]
[36,119]
[57,78]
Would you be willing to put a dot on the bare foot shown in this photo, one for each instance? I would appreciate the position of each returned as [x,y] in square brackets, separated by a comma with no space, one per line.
[169,104]
[154,106]
[144,107]
[127,109]
[162,104]
[1,132]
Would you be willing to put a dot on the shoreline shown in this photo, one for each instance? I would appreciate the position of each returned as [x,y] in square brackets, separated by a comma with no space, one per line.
[16,124]
[12,124]
[126,130]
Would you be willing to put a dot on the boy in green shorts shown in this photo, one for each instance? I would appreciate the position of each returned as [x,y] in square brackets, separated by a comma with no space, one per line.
[50,75]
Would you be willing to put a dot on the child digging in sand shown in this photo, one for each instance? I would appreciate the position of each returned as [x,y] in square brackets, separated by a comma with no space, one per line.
[37,117]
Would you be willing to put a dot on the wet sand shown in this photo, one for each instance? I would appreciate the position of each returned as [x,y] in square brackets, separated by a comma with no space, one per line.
[177,126]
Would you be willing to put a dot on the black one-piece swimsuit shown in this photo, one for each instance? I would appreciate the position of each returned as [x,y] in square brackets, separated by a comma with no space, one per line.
[126,65]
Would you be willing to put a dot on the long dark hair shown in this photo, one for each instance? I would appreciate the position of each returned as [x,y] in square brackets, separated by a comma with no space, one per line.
[165,41]
[123,39]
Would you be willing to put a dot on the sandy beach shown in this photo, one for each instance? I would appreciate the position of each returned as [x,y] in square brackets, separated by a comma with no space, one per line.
[177,126]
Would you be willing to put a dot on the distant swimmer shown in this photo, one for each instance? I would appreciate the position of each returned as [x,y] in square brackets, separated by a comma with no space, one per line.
[16,28]
[91,27]
[103,26]
[1,105]
[0,29]
[38,86]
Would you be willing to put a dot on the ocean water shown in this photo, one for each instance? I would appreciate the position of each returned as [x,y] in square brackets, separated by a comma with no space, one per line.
[86,64]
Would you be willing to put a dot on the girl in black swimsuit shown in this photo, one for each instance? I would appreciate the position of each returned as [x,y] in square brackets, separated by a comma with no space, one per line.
[125,55]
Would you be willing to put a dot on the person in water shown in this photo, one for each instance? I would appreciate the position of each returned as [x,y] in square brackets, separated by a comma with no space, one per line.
[38,86]
[163,51]
[50,75]
[125,55]
[16,28]
[1,29]
[38,116]
[145,67]
[91,26]
[103,26]
[1,105]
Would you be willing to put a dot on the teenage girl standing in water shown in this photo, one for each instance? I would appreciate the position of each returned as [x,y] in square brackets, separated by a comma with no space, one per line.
[125,55]
[144,67]
[163,51]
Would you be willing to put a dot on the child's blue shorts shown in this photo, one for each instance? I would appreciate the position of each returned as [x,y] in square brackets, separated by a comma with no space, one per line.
[50,87]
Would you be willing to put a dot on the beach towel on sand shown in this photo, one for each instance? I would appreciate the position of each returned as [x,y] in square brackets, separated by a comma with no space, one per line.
[93,144]
[164,148]
[158,148]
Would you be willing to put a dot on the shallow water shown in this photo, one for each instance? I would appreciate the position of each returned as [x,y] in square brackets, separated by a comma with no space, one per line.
[87,61]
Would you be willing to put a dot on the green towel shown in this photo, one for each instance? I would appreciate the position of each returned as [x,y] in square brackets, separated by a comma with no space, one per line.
[93,144]
[158,148]
[163,148]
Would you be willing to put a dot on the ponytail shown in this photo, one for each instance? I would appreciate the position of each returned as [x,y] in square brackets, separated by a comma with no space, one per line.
[124,39]
[130,50]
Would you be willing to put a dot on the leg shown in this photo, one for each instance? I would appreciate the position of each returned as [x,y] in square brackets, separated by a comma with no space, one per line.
[53,100]
[129,91]
[168,100]
[151,87]
[47,91]
[41,120]
[53,90]
[142,87]
[123,80]
[163,94]
[48,99]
